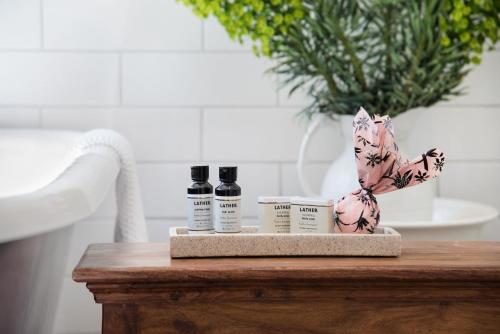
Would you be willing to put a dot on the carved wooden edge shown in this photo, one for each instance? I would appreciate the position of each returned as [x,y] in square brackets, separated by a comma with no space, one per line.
[275,291]
[413,273]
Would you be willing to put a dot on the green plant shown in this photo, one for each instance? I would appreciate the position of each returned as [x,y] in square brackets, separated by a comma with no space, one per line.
[473,23]
[386,55]
[262,21]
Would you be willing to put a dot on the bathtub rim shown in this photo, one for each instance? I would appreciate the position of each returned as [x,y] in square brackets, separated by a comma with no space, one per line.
[74,195]
[477,214]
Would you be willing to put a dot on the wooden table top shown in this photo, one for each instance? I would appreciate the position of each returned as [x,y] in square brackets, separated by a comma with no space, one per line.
[420,260]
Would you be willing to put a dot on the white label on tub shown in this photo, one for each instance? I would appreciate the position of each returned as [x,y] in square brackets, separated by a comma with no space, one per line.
[274,217]
[311,219]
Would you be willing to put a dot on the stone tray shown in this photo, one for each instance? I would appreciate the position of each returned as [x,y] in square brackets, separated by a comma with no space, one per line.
[384,242]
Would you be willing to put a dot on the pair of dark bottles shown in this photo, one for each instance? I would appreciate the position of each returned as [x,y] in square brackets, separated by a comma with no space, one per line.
[226,215]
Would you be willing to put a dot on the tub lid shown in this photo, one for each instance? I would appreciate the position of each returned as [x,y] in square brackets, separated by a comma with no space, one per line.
[311,201]
[273,199]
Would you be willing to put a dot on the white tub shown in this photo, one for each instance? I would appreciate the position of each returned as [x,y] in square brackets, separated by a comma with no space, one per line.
[44,189]
[452,219]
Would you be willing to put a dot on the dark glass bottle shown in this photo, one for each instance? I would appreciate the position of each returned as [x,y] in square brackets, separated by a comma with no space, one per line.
[199,197]
[227,210]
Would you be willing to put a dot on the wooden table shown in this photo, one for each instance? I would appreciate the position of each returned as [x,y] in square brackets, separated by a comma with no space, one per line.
[434,287]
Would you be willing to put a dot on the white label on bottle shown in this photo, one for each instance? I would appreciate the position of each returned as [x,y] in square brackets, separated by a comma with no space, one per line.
[200,212]
[227,214]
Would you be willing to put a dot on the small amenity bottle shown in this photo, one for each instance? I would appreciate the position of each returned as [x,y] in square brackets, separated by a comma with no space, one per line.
[227,205]
[199,196]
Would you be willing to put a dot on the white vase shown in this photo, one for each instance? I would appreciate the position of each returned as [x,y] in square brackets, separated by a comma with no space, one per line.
[414,203]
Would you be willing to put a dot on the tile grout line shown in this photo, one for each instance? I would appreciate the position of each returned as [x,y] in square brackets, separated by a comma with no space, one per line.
[280,178]
[146,51]
[108,221]
[42,31]
[120,79]
[284,162]
[438,187]
[246,107]
[130,51]
[202,36]
[40,115]
[202,134]
[241,162]
[472,161]
[278,100]
[154,106]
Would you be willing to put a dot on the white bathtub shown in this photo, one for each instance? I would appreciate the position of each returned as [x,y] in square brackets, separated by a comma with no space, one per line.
[452,219]
[44,189]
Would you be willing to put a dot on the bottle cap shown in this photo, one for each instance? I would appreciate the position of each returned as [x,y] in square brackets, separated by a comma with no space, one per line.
[199,173]
[228,174]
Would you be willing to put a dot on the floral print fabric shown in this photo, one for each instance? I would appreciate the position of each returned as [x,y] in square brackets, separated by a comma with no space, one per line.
[381,169]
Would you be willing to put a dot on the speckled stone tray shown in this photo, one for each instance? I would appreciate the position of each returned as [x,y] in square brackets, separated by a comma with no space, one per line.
[384,242]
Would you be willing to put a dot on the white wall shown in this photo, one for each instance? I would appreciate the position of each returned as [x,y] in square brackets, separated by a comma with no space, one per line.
[183,93]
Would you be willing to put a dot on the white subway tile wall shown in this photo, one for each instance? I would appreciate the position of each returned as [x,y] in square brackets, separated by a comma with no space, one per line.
[59,78]
[215,38]
[236,134]
[19,117]
[481,85]
[184,93]
[153,131]
[196,79]
[120,25]
[20,24]
[79,119]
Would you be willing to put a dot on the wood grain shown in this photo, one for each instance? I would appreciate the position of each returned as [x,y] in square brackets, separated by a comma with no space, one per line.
[419,261]
[434,287]
[409,291]
[312,317]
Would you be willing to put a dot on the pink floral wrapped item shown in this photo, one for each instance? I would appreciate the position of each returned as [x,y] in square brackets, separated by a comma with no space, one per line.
[380,169]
